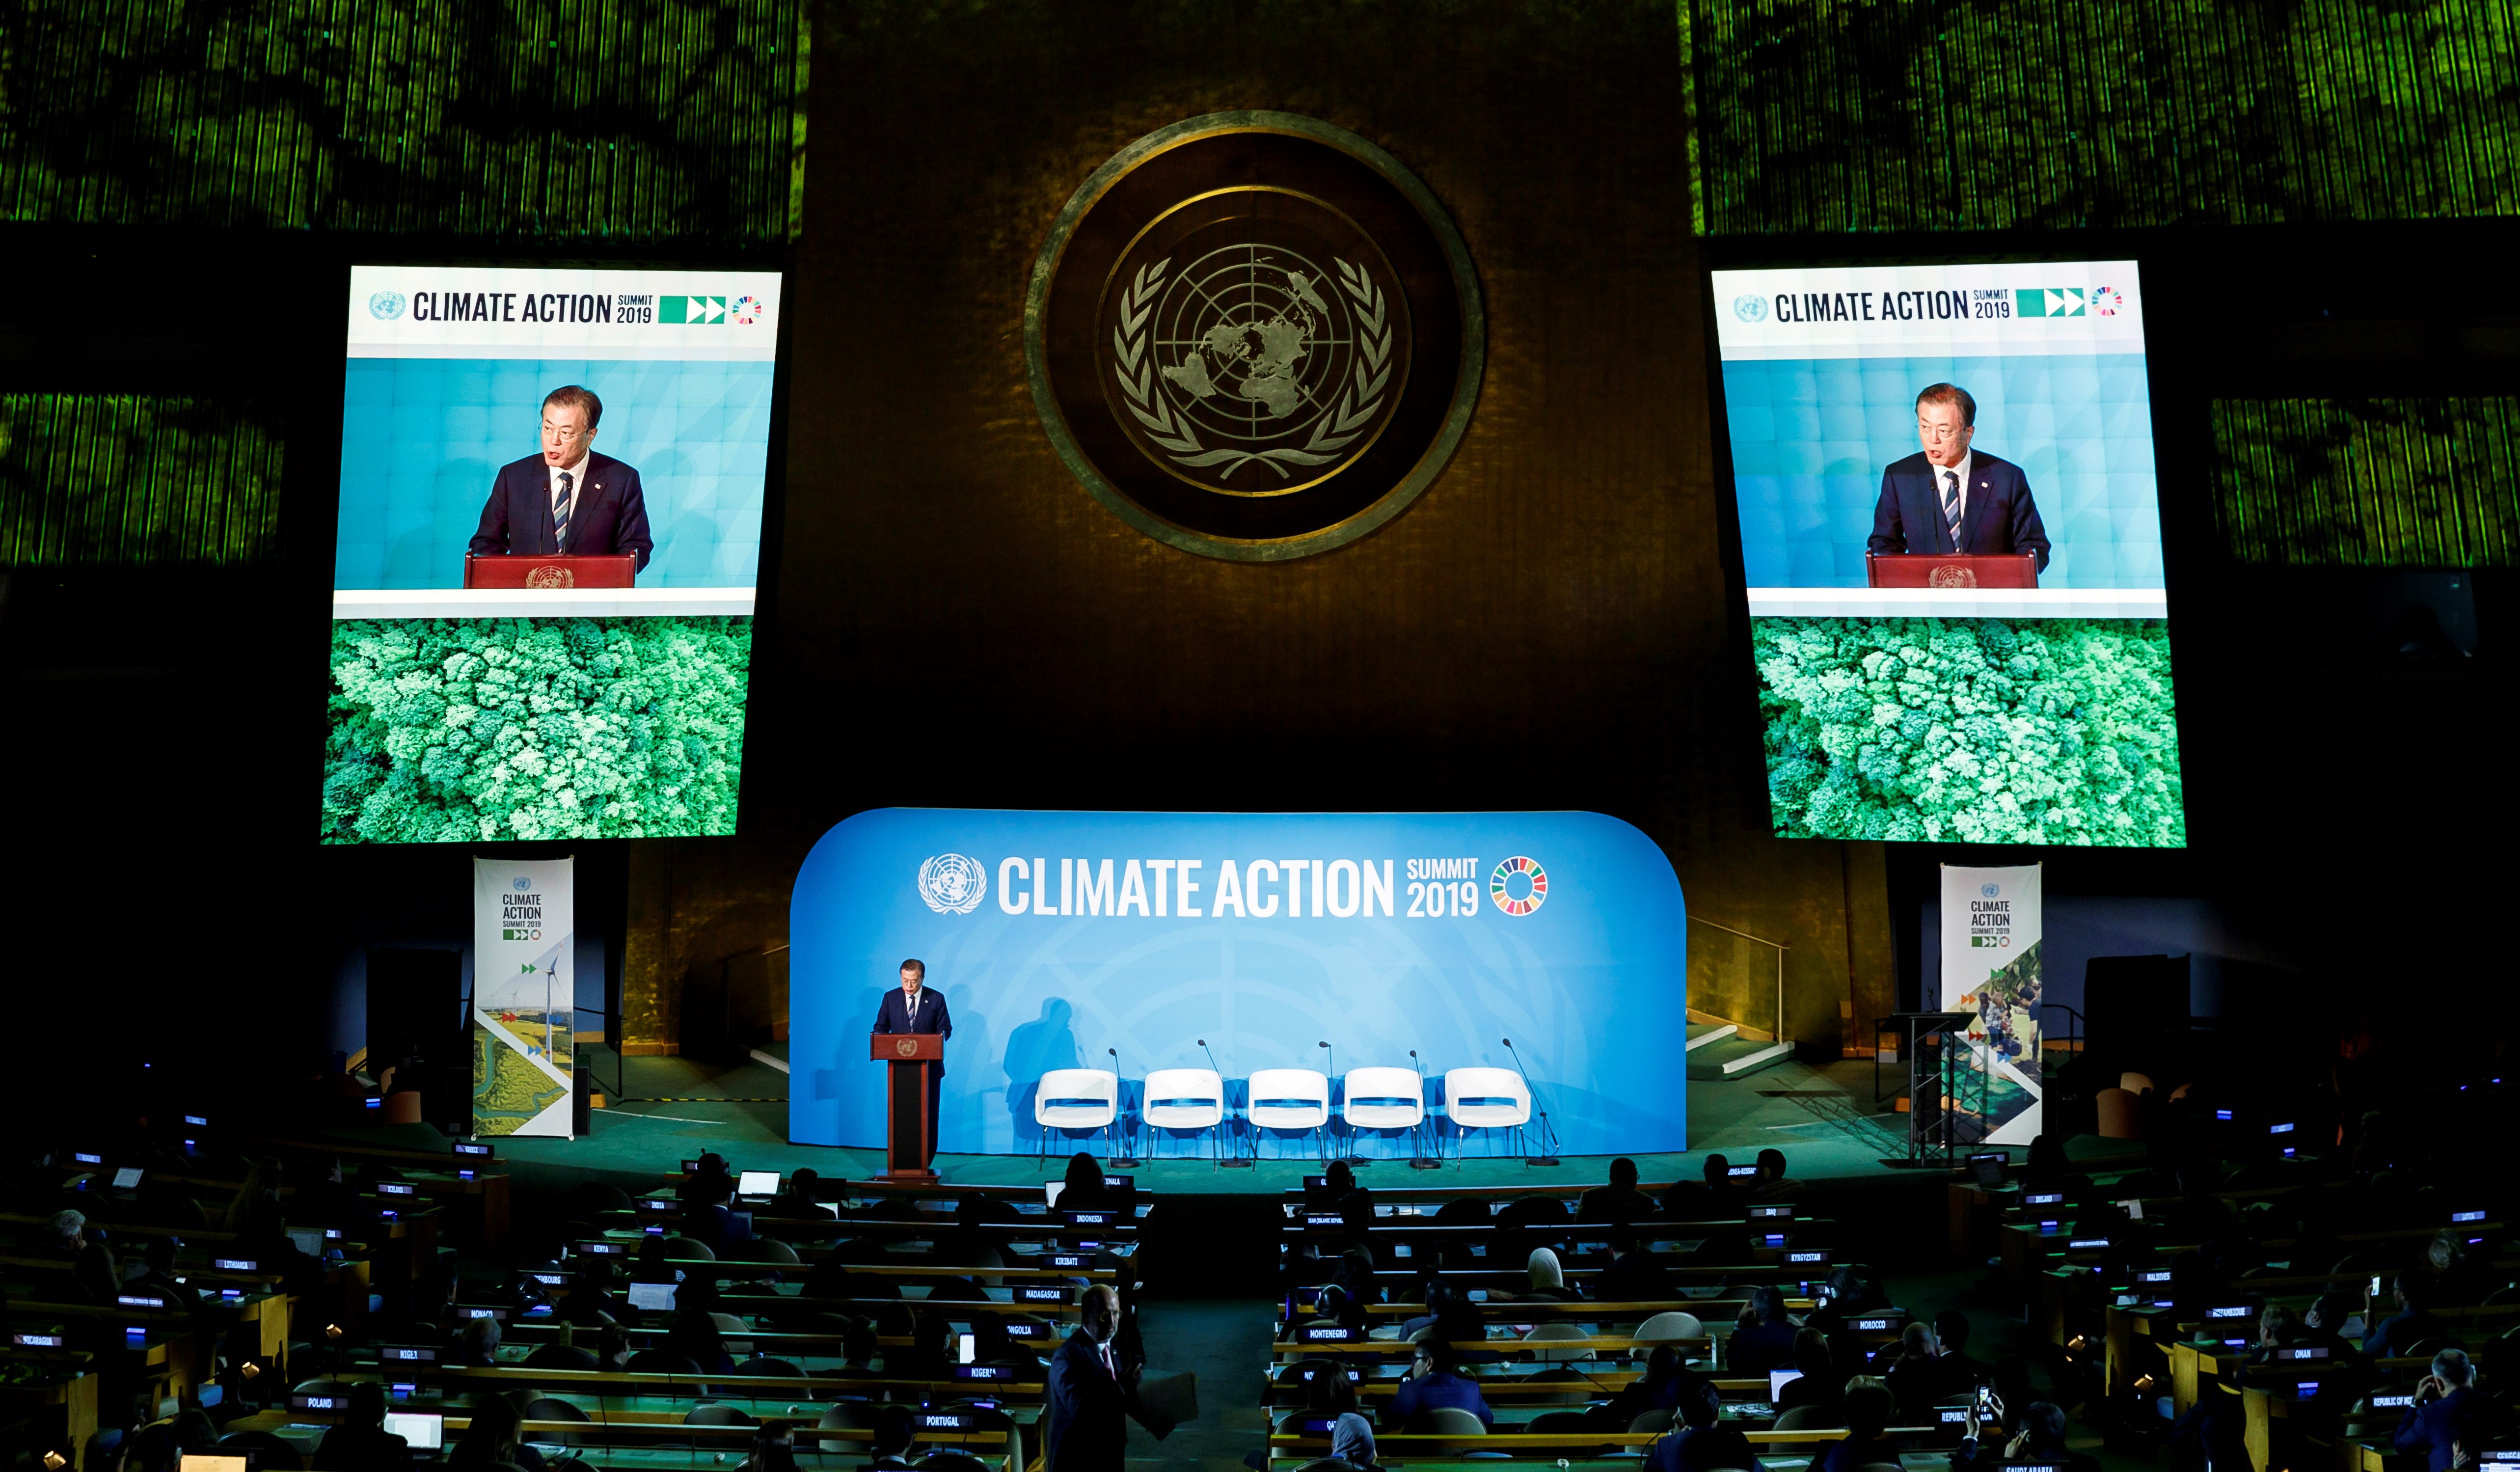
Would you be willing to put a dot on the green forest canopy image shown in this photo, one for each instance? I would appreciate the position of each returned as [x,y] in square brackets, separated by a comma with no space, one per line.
[447,731]
[1984,730]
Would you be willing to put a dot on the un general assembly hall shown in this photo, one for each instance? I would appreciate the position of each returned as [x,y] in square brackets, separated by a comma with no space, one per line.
[1259,735]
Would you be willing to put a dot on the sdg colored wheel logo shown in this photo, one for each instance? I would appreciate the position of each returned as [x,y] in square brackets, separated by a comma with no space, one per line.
[1518,886]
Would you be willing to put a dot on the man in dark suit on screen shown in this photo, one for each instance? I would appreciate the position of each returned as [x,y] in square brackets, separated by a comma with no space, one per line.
[566,501]
[917,1010]
[1085,1427]
[1950,499]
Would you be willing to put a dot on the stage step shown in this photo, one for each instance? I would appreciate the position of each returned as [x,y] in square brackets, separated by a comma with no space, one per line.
[1751,1063]
[1698,1039]
[1732,1055]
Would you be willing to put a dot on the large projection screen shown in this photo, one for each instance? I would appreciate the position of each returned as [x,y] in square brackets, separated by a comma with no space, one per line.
[1955,710]
[556,709]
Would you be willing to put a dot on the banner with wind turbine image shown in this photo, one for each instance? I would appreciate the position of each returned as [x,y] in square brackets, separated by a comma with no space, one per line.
[524,1001]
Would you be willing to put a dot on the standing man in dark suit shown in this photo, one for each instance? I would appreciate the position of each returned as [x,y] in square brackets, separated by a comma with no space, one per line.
[917,1010]
[1090,1392]
[1949,497]
[567,501]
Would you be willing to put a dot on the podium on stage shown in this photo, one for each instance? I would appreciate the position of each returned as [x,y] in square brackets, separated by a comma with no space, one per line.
[524,570]
[910,1130]
[1950,569]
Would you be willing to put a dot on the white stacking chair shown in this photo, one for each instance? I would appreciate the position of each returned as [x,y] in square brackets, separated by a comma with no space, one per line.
[1184,1099]
[1076,1099]
[1669,1325]
[1487,1098]
[1556,1332]
[1383,1098]
[1289,1098]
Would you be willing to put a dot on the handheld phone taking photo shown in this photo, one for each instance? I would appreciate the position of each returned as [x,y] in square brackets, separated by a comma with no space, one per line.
[1989,1409]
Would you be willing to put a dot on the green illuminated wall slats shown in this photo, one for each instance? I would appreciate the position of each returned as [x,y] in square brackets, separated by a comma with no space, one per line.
[584,119]
[92,479]
[1892,115]
[2369,482]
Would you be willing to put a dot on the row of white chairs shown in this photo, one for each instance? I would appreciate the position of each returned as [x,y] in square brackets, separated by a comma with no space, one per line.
[1294,1099]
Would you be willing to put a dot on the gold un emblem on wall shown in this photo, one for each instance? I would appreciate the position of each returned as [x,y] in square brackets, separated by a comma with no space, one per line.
[1254,335]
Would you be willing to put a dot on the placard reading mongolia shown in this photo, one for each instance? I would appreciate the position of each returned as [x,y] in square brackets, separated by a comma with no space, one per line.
[525,1017]
[1991,933]
[1120,940]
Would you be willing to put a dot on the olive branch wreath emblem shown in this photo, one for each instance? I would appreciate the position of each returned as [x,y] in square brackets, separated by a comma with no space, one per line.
[1332,432]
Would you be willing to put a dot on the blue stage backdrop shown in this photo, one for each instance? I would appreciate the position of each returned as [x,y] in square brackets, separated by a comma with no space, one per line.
[1055,936]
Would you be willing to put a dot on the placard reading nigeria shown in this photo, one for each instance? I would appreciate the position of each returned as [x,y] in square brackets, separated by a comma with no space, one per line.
[1121,940]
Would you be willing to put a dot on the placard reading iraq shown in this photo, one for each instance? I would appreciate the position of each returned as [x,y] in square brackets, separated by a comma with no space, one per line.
[1120,940]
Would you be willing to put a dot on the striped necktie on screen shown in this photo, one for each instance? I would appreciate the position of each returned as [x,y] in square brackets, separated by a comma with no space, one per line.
[1952,506]
[559,510]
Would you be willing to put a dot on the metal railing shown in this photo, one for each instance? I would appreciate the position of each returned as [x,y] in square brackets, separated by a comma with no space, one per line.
[1779,947]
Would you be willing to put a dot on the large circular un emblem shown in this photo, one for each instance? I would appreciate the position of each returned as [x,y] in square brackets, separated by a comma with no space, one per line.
[1254,335]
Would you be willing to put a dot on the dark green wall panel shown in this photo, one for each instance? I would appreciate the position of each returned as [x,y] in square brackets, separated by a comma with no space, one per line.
[592,120]
[89,479]
[2369,482]
[1990,114]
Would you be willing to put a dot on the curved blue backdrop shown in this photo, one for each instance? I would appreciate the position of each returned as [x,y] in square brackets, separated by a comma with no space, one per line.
[1591,984]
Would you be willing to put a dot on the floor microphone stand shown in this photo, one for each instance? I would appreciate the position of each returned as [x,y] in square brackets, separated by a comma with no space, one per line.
[1548,1155]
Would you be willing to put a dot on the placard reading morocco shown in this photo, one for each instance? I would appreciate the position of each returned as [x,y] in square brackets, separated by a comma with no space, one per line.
[1058,939]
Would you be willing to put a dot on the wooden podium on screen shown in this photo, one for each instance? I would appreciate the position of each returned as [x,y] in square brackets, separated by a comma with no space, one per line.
[910,1131]
[1950,569]
[524,570]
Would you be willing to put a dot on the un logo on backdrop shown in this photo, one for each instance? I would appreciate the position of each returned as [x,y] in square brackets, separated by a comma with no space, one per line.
[953,883]
[386,306]
[1991,890]
[1750,308]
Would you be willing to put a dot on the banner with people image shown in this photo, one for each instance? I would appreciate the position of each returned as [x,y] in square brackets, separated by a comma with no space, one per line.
[1991,934]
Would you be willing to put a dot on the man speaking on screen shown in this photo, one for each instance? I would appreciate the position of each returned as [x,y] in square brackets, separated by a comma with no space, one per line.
[567,501]
[1947,497]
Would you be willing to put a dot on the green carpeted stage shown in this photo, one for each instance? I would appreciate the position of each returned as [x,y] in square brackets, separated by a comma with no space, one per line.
[1821,1116]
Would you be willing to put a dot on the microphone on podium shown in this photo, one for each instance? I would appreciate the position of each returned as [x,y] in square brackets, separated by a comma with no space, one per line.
[1547,1135]
[1240,1162]
[1119,1092]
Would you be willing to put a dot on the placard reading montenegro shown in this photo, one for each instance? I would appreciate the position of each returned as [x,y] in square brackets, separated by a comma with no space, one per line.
[1120,940]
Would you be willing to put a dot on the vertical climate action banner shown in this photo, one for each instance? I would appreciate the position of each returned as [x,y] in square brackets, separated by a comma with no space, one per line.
[1991,967]
[525,1012]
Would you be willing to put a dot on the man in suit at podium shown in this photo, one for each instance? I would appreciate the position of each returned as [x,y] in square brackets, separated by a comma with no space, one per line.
[566,501]
[917,1010]
[1950,499]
